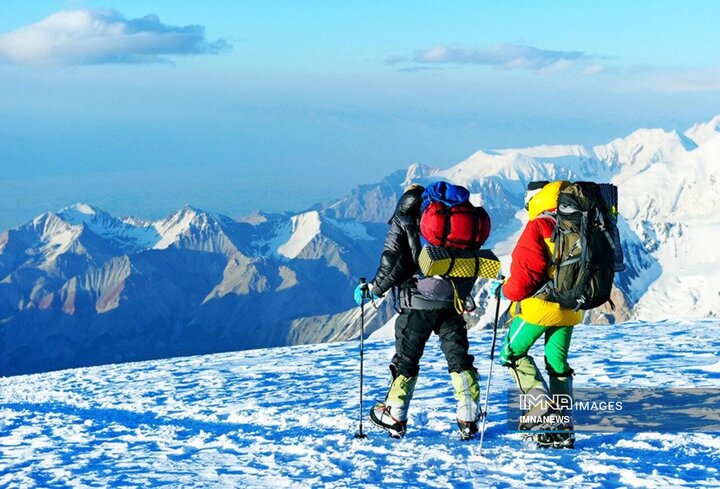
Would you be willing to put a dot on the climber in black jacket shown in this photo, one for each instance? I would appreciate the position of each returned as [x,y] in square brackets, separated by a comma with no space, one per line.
[398,261]
[427,306]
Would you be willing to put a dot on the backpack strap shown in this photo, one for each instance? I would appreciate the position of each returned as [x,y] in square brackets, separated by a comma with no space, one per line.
[549,215]
[604,229]
[457,302]
[450,266]
[547,287]
[447,213]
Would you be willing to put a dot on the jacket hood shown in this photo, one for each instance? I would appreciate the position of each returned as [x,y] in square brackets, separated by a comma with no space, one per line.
[410,201]
[546,199]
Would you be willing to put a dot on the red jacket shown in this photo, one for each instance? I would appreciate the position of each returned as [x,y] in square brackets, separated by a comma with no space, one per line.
[530,259]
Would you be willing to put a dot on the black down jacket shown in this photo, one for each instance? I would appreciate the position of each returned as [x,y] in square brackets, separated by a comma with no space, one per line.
[398,262]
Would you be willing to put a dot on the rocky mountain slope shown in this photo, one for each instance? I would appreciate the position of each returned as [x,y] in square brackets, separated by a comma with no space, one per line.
[81,287]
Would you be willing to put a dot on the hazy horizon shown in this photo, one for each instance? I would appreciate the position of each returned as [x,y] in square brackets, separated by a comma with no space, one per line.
[140,108]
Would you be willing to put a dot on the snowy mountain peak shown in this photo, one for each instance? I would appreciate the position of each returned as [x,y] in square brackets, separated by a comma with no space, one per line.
[416,171]
[189,209]
[81,213]
[48,222]
[549,151]
[135,221]
[645,147]
[658,139]
[57,235]
[82,208]
[512,167]
[705,131]
[179,223]
[186,214]
[126,235]
[304,228]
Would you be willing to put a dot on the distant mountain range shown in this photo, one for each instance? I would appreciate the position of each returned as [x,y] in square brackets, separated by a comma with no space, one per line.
[80,287]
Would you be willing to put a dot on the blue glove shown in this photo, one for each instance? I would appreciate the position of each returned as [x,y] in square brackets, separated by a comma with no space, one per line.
[496,289]
[363,292]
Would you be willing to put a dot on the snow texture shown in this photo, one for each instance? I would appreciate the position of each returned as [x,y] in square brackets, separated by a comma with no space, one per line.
[285,417]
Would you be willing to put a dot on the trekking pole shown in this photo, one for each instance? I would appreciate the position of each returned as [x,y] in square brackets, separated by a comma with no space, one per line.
[360,433]
[492,359]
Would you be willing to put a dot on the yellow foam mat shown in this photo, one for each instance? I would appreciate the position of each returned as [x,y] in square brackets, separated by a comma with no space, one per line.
[450,262]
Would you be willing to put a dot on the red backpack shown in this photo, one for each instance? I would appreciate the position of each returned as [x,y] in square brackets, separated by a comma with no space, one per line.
[461,225]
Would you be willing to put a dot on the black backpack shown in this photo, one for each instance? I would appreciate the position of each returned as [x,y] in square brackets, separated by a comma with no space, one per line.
[587,247]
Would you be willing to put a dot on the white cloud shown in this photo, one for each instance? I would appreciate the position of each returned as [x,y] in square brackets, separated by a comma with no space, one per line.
[508,56]
[522,57]
[97,36]
[511,56]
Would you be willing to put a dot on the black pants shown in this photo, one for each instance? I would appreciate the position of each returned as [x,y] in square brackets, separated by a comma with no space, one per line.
[412,330]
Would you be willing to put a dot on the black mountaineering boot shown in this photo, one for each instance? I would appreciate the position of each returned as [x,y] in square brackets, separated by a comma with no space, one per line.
[556,439]
[468,429]
[545,439]
[381,416]
[564,440]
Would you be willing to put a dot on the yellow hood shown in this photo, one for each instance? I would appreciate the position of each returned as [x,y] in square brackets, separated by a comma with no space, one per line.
[546,198]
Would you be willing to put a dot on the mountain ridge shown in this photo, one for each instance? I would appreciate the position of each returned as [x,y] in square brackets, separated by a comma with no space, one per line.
[201,282]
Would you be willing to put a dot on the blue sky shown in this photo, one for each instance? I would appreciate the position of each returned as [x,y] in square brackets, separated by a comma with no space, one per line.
[234,106]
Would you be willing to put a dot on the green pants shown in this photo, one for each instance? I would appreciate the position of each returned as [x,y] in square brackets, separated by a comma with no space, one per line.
[522,335]
[514,354]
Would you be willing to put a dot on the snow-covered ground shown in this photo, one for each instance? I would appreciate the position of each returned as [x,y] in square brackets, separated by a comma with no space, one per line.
[285,417]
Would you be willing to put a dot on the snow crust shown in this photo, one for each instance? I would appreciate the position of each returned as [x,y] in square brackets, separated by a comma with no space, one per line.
[285,417]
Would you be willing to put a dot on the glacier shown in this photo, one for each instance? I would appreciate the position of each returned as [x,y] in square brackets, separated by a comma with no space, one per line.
[285,417]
